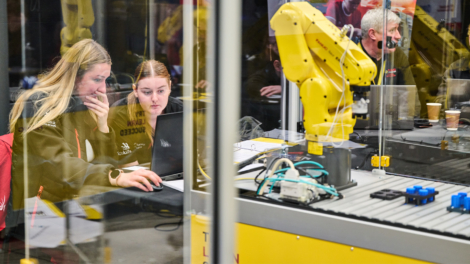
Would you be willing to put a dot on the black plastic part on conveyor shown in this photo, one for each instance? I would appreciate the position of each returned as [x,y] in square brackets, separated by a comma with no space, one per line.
[417,199]
[386,194]
[457,210]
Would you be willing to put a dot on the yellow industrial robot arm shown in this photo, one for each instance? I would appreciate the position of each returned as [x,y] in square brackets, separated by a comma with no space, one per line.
[433,50]
[78,18]
[310,48]
[435,43]
[423,76]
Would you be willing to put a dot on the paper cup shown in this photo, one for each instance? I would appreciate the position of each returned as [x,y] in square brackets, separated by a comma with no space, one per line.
[452,119]
[433,111]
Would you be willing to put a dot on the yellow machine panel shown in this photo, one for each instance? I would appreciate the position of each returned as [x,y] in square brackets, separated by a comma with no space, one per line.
[315,148]
[261,245]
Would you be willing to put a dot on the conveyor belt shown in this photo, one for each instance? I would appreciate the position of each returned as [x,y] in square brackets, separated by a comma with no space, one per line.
[433,216]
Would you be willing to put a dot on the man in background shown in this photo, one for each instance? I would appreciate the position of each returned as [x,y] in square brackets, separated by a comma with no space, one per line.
[395,63]
[393,68]
[263,89]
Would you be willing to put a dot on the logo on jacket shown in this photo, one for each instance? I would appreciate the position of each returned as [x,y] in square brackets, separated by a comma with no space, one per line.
[139,145]
[51,123]
[125,146]
[2,204]
[125,149]
[165,143]
[391,73]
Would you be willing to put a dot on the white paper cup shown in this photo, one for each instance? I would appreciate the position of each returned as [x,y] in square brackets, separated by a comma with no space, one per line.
[452,119]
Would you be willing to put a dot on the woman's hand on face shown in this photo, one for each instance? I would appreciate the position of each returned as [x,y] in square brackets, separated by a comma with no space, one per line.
[101,109]
[140,179]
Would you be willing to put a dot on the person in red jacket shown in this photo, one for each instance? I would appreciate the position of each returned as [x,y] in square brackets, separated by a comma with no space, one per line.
[345,12]
[5,175]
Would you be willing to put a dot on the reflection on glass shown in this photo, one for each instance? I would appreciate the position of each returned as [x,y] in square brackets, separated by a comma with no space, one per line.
[73,198]
[438,56]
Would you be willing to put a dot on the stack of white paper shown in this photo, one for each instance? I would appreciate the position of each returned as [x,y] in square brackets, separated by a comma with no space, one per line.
[48,229]
[248,149]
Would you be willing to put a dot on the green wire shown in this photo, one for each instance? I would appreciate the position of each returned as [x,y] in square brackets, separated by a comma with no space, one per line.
[324,171]
[272,185]
[329,190]
[309,162]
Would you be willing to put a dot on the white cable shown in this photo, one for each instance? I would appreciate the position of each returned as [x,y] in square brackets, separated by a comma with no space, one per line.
[351,27]
[343,84]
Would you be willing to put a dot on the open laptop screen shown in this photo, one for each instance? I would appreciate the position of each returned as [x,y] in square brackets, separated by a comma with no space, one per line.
[167,152]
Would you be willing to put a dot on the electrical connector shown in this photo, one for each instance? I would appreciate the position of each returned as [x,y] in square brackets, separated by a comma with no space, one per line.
[299,191]
[293,190]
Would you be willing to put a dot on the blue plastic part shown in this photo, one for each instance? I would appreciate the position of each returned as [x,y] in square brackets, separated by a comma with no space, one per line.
[410,190]
[466,203]
[417,188]
[419,196]
[455,201]
[423,192]
[462,196]
[460,203]
[431,190]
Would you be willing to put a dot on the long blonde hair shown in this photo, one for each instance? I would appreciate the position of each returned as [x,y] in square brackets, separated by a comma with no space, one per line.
[150,68]
[58,84]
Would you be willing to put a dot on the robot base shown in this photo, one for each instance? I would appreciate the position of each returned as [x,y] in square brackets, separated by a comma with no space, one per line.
[350,184]
[337,161]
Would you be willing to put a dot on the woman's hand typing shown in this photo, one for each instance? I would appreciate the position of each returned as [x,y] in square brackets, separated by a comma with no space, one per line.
[140,179]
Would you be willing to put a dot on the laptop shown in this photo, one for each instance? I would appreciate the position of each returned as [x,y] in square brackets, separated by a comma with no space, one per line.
[398,111]
[167,151]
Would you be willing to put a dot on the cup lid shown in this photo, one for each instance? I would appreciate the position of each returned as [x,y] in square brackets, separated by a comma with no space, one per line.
[433,103]
[453,111]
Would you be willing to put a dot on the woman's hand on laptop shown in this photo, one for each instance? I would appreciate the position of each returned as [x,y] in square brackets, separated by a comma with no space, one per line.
[140,179]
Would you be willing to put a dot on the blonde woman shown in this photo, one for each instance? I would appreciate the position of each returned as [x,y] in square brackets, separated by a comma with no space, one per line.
[61,132]
[134,118]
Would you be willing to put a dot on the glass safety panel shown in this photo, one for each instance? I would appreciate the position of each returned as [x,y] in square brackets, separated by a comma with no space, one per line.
[96,120]
[434,143]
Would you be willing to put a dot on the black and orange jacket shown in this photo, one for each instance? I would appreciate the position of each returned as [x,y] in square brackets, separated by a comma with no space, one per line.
[57,155]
